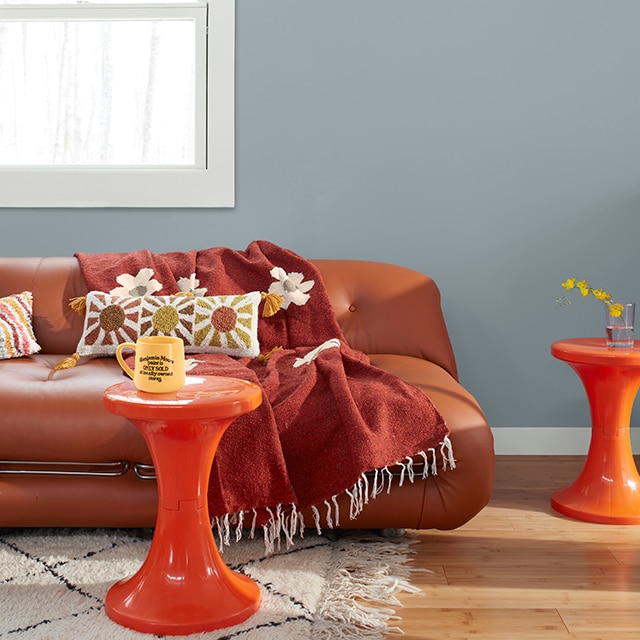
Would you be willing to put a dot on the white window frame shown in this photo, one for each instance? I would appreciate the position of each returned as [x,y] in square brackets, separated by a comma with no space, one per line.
[209,185]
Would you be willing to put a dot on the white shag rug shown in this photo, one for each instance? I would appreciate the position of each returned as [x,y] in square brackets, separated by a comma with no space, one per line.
[340,587]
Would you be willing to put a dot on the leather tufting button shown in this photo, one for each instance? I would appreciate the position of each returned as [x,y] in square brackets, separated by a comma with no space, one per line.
[352,307]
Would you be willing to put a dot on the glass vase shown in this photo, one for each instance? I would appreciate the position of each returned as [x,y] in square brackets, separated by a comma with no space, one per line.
[620,328]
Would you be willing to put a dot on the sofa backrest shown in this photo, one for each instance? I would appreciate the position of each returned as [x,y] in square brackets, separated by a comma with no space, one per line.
[53,282]
[385,308]
[381,308]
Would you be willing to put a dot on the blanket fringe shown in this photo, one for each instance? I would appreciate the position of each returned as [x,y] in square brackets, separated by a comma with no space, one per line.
[287,522]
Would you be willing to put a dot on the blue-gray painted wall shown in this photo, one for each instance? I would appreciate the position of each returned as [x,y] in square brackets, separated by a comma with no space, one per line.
[492,144]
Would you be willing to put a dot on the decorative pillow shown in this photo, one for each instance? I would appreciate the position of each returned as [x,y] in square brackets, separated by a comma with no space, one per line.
[217,324]
[16,331]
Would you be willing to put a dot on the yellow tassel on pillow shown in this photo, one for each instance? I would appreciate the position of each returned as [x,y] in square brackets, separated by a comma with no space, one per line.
[272,303]
[263,358]
[79,305]
[67,363]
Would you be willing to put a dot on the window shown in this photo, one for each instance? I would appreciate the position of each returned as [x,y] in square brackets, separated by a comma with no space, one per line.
[117,105]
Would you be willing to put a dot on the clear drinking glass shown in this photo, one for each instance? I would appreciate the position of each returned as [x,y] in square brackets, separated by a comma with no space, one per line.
[620,328]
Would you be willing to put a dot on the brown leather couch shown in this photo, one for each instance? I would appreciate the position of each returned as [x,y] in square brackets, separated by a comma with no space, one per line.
[66,461]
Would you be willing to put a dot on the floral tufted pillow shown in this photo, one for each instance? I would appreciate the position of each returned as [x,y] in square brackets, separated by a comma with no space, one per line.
[216,324]
[16,332]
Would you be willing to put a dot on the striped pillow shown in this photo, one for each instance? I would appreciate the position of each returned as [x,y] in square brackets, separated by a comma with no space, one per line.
[16,332]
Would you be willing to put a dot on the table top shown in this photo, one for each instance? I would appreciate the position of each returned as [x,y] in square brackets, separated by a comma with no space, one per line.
[201,397]
[595,351]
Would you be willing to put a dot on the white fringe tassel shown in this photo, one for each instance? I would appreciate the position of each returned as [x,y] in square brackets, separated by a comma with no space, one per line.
[362,590]
[289,522]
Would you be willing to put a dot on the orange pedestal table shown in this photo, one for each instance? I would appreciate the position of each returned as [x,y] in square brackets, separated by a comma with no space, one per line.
[608,487]
[183,585]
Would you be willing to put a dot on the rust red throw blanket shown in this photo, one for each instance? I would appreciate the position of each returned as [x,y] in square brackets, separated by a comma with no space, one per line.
[328,415]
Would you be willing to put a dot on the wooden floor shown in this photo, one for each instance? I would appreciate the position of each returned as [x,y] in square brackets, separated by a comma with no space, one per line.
[520,571]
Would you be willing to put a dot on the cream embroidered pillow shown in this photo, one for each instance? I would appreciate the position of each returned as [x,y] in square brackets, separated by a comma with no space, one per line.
[16,330]
[216,324]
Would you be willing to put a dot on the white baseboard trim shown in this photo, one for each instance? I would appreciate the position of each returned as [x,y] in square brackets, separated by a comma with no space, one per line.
[545,441]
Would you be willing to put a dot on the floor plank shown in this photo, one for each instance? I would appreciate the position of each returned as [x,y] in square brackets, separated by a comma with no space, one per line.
[520,571]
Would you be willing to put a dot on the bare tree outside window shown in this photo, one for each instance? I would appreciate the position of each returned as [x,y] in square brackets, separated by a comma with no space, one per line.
[117,103]
[97,92]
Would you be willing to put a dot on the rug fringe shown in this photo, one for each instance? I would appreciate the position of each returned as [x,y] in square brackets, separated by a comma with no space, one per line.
[288,521]
[360,600]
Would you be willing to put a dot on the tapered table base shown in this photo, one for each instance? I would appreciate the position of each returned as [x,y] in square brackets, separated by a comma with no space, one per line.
[608,488]
[183,585]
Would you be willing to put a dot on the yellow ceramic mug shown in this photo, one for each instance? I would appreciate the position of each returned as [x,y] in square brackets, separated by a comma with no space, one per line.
[159,365]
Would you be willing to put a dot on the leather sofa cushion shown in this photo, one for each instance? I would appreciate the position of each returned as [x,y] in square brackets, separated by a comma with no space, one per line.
[65,419]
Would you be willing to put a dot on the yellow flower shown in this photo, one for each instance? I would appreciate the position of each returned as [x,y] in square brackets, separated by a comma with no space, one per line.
[616,310]
[599,294]
[584,288]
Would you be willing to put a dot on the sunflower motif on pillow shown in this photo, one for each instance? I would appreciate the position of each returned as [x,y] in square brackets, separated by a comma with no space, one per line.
[167,316]
[226,322]
[109,320]
[216,324]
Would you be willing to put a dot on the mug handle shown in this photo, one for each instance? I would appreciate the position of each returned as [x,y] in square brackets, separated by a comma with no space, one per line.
[120,347]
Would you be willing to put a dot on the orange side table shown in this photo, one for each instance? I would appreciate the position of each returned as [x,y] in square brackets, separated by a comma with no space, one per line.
[183,585]
[608,487]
